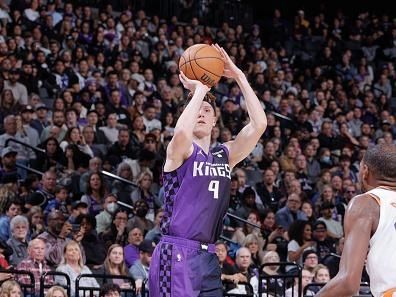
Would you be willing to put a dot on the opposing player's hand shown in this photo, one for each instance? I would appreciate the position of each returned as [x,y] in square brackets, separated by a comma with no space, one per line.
[192,84]
[230,69]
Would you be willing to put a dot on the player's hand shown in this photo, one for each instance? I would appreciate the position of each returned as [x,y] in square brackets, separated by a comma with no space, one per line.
[192,84]
[230,69]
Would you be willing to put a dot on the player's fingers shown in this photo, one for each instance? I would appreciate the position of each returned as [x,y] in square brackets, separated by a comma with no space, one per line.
[182,78]
[222,52]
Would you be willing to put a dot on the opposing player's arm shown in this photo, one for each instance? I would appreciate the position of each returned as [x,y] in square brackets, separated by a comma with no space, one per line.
[360,221]
[248,137]
[180,147]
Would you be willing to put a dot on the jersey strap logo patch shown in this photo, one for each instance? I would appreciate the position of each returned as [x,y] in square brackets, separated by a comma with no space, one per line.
[218,153]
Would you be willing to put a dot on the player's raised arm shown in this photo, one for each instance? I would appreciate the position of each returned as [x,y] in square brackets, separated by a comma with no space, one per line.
[248,137]
[360,218]
[180,147]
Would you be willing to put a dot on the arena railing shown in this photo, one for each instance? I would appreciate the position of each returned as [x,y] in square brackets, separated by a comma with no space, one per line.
[28,289]
[119,178]
[247,287]
[364,290]
[81,290]
[44,286]
[36,149]
[277,284]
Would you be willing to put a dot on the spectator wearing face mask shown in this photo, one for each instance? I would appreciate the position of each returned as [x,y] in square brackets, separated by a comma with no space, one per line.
[140,220]
[104,218]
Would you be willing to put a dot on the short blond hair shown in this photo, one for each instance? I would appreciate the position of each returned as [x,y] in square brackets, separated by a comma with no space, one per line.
[54,289]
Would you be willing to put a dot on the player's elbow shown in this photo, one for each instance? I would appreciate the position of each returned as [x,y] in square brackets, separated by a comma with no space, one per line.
[260,124]
[351,285]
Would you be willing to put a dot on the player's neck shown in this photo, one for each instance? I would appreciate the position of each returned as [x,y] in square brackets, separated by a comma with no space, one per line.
[386,185]
[204,143]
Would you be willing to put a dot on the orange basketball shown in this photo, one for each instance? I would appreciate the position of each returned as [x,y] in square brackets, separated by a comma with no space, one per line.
[202,62]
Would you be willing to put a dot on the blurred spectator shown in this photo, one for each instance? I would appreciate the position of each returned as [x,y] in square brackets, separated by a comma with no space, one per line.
[8,170]
[18,242]
[45,193]
[72,264]
[252,242]
[241,233]
[248,204]
[110,290]
[122,189]
[19,90]
[307,278]
[94,196]
[24,154]
[56,291]
[135,238]
[139,270]
[36,264]
[139,220]
[59,202]
[36,221]
[13,207]
[310,260]
[272,285]
[117,232]
[56,236]
[53,158]
[92,243]
[290,213]
[334,228]
[121,149]
[104,218]
[114,264]
[144,192]
[300,234]
[243,265]
[10,288]
[78,208]
[307,208]
[268,191]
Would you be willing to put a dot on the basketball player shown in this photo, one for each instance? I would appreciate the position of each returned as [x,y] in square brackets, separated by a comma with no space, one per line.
[197,189]
[370,226]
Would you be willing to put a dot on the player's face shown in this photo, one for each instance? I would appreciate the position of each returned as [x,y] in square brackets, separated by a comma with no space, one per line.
[205,121]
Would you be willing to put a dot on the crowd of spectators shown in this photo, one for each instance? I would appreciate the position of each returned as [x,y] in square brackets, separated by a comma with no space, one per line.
[98,89]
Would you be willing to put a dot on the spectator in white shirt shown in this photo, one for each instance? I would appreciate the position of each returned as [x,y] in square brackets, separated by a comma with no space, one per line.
[150,122]
[111,131]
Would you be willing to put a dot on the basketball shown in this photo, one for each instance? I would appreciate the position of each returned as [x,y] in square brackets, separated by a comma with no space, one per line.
[202,62]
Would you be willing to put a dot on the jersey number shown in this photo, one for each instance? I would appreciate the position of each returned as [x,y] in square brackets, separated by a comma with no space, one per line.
[214,187]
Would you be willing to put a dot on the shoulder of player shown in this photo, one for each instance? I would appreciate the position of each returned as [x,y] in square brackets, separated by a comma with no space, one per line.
[363,205]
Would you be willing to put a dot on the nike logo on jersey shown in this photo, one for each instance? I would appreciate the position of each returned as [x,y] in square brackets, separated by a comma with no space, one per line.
[200,152]
[208,169]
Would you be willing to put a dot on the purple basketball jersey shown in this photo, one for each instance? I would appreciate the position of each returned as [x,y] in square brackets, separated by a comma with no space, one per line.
[197,196]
